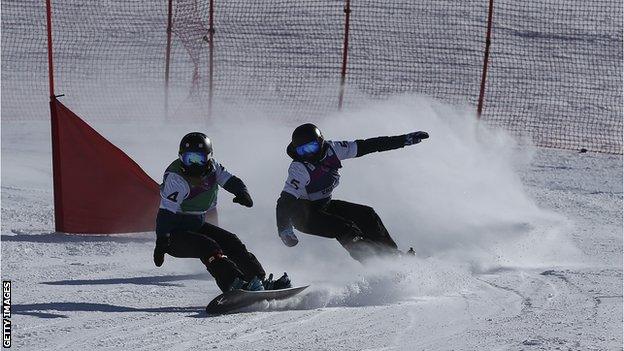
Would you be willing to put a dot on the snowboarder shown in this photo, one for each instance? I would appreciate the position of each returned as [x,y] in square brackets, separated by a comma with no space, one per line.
[188,191]
[306,201]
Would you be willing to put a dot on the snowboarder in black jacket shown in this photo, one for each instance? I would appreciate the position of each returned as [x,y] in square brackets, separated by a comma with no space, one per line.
[306,204]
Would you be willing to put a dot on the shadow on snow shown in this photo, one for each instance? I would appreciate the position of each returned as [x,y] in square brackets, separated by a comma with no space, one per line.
[56,237]
[41,309]
[159,280]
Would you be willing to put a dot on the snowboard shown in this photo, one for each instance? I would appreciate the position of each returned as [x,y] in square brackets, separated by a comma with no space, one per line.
[235,299]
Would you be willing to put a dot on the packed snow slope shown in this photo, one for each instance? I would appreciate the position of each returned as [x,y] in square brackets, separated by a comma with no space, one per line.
[517,248]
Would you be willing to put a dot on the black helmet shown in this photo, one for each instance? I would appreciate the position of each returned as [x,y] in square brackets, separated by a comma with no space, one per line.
[307,143]
[195,154]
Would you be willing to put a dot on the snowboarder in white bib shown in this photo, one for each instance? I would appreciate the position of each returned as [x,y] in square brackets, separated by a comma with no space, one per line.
[306,200]
[188,191]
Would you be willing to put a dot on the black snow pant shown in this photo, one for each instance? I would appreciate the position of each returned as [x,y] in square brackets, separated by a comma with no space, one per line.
[357,228]
[222,252]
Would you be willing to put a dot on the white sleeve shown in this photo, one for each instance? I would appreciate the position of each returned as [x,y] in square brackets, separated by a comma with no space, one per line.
[344,149]
[298,178]
[222,174]
[173,191]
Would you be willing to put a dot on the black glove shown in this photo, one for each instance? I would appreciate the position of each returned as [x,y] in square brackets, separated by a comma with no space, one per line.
[162,243]
[415,137]
[244,199]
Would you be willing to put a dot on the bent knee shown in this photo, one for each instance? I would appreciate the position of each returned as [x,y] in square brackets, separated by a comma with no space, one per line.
[232,242]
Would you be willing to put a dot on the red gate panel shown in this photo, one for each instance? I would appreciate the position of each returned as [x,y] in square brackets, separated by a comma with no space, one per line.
[97,187]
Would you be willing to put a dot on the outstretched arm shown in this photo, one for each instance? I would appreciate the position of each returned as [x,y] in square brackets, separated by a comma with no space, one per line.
[234,185]
[386,143]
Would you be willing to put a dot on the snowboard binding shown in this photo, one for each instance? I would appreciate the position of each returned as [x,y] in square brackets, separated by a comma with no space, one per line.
[281,283]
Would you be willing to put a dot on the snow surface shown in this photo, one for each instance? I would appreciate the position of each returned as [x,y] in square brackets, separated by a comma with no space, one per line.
[518,248]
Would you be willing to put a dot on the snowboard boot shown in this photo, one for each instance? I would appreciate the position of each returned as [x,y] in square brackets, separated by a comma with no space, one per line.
[254,284]
[282,283]
[268,282]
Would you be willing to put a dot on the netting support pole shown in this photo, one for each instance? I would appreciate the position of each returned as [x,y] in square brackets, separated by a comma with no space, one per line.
[50,62]
[168,55]
[211,32]
[486,58]
[56,160]
[345,51]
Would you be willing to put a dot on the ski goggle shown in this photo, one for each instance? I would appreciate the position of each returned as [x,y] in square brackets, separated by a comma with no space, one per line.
[308,148]
[194,158]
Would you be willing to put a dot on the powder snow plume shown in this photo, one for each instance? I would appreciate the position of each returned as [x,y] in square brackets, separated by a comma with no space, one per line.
[457,197]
